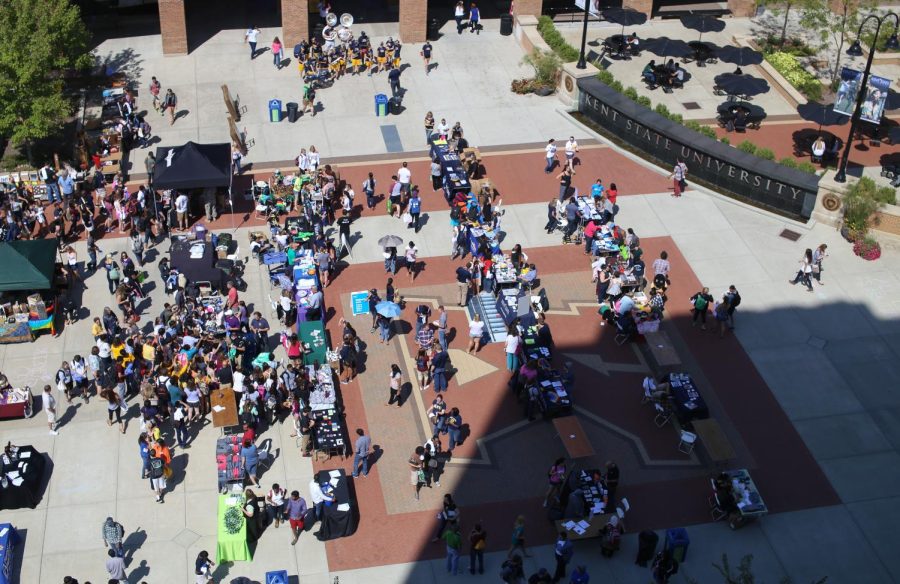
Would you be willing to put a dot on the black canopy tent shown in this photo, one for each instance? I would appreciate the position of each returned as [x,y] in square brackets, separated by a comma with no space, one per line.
[192,166]
[27,265]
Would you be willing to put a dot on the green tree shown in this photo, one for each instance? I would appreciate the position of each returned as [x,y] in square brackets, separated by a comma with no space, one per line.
[834,26]
[42,40]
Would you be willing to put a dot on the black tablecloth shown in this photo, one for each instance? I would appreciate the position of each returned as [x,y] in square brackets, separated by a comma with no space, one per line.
[328,432]
[689,404]
[336,523]
[557,405]
[202,269]
[32,470]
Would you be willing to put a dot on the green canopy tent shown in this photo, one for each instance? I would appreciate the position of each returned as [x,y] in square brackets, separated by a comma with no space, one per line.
[27,265]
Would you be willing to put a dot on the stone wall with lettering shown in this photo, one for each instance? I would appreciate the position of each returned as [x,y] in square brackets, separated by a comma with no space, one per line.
[728,170]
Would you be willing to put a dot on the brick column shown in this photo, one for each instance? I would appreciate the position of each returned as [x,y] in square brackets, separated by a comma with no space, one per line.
[173,26]
[294,22]
[645,6]
[413,21]
[533,7]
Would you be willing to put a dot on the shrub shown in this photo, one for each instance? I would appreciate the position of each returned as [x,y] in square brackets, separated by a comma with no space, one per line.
[546,67]
[867,248]
[661,110]
[788,162]
[677,118]
[692,125]
[860,202]
[807,166]
[544,23]
[886,195]
[747,146]
[765,154]
[644,101]
[794,73]
[605,77]
[616,85]
[631,93]
[556,41]
[708,132]
[725,140]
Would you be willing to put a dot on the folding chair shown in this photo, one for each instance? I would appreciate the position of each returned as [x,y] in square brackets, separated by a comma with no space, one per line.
[716,511]
[688,441]
[663,415]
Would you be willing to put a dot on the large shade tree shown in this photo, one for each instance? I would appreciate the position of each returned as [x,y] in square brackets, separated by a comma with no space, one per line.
[42,40]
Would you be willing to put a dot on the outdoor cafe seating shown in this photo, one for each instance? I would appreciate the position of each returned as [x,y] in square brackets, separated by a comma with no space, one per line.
[702,54]
[806,144]
[737,117]
[662,76]
[618,47]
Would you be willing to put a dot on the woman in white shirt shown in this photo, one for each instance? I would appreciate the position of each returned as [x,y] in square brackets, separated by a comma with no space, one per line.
[412,256]
[476,332]
[396,382]
[804,274]
[313,158]
[512,349]
[275,501]
[303,161]
[459,14]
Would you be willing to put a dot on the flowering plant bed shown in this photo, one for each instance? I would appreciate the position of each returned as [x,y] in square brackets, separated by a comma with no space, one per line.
[867,248]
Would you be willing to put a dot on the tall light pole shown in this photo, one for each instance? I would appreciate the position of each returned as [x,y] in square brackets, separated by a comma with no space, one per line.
[855,50]
[582,64]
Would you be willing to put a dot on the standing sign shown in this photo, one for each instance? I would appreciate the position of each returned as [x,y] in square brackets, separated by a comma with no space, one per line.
[594,5]
[845,101]
[876,95]
[359,302]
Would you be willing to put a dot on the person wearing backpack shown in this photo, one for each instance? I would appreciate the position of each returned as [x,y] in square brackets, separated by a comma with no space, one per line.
[415,209]
[160,458]
[368,187]
[422,368]
[734,300]
[700,306]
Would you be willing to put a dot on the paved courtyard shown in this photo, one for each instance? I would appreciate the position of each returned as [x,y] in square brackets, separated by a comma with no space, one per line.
[807,384]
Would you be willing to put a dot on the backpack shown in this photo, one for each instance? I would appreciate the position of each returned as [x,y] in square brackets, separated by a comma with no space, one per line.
[157,468]
[454,213]
[700,303]
[421,364]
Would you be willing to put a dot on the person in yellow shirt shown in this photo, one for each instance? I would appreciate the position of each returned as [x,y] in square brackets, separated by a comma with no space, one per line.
[97,328]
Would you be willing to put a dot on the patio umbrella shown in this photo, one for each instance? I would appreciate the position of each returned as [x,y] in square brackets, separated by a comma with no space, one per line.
[390,241]
[822,114]
[624,16]
[703,23]
[666,47]
[388,309]
[740,56]
[743,85]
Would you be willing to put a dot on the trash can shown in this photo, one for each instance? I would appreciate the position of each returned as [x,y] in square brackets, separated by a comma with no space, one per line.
[381,105]
[274,110]
[506,24]
[395,106]
[677,542]
[293,111]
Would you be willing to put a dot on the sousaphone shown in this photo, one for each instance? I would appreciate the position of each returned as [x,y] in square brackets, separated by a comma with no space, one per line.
[331,19]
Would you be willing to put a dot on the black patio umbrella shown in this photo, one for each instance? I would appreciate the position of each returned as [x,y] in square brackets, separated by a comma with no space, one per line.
[742,85]
[624,16]
[703,23]
[740,56]
[822,114]
[666,47]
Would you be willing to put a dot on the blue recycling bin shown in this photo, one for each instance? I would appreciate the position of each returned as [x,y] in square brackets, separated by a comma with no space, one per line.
[677,542]
[280,577]
[381,105]
[274,110]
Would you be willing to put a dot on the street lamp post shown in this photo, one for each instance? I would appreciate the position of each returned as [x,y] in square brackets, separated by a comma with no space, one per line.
[855,50]
[581,62]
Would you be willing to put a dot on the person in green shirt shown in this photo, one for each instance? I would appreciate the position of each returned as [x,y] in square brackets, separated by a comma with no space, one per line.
[453,540]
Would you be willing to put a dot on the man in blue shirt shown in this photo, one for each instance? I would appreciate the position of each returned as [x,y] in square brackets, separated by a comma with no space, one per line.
[250,461]
[463,276]
[295,509]
[563,552]
[597,189]
[571,217]
[438,370]
[67,186]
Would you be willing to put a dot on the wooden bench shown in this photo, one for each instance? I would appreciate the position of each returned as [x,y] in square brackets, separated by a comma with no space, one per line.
[662,350]
[573,437]
[714,440]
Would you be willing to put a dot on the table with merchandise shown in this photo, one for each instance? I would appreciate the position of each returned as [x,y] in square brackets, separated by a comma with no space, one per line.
[231,530]
[228,461]
[328,432]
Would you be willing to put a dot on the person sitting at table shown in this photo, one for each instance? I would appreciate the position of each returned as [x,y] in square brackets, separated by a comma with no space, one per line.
[527,277]
[678,76]
[835,149]
[818,149]
[740,119]
[632,44]
[649,74]
[544,336]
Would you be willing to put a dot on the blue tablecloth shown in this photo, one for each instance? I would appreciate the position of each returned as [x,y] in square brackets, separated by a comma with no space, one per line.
[689,404]
[9,539]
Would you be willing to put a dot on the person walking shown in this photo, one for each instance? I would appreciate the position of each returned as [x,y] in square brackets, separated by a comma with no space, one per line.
[679,172]
[170,102]
[155,88]
[275,504]
[203,568]
[454,428]
[416,464]
[426,58]
[556,476]
[361,453]
[818,256]
[571,151]
[804,274]
[49,404]
[476,334]
[251,37]
[113,533]
[477,543]
[295,508]
[734,299]
[115,567]
[463,277]
[277,53]
[453,540]
[160,459]
[396,381]
[562,552]
[550,155]
[415,211]
[439,370]
[517,540]
[700,306]
[442,327]
[459,14]
[474,17]
[250,461]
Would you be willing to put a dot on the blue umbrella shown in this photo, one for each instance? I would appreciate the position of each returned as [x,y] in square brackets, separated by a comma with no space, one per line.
[388,309]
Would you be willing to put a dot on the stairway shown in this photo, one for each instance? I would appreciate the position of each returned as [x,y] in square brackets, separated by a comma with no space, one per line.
[485,305]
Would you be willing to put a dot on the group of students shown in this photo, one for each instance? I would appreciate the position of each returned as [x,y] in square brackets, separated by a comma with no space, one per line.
[669,75]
